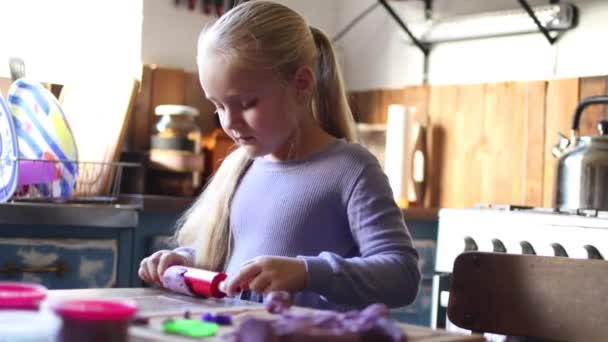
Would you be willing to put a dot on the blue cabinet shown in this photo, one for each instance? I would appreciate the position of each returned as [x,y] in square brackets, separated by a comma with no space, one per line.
[155,232]
[67,246]
[84,245]
[60,262]
[423,224]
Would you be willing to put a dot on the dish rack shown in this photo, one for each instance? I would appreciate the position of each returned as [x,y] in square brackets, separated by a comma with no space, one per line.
[67,181]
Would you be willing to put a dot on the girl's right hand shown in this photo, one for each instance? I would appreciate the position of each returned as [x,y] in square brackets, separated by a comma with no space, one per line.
[151,269]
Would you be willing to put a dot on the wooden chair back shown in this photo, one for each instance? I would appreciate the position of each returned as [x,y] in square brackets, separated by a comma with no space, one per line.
[554,298]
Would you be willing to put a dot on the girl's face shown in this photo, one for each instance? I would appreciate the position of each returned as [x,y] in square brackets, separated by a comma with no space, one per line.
[256,109]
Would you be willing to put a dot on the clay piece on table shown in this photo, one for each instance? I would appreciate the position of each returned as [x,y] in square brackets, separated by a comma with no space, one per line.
[140,321]
[371,324]
[173,280]
[190,328]
[220,319]
[277,302]
[252,330]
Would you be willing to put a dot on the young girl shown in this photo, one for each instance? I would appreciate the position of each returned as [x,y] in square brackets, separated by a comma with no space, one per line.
[297,206]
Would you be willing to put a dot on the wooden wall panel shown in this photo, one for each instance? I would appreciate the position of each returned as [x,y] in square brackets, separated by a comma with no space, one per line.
[593,86]
[195,96]
[371,106]
[418,98]
[166,86]
[562,98]
[534,146]
[486,142]
[158,86]
[512,146]
[442,101]
[458,112]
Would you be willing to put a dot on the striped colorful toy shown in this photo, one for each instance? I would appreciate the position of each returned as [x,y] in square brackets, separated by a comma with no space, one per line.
[44,134]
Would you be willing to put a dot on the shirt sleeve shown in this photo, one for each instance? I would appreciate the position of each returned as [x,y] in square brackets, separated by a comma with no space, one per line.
[387,269]
[187,252]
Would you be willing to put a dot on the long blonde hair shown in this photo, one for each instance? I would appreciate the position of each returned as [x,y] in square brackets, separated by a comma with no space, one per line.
[260,34]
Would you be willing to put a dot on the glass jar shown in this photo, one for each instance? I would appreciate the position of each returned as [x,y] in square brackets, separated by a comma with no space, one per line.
[177,161]
[177,129]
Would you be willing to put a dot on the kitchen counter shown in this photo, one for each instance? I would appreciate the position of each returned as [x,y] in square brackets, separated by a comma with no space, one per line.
[421,214]
[124,212]
[69,214]
[158,204]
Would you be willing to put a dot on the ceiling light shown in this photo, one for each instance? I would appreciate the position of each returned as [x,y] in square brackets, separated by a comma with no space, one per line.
[560,17]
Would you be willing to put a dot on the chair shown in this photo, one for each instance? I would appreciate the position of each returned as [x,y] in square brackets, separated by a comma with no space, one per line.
[554,298]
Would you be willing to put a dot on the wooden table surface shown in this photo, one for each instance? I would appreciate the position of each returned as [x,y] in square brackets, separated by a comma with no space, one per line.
[158,305]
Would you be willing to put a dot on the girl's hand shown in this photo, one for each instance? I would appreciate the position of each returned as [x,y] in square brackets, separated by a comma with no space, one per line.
[151,269]
[268,273]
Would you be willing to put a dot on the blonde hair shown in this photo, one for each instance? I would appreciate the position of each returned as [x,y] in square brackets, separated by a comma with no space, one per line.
[261,34]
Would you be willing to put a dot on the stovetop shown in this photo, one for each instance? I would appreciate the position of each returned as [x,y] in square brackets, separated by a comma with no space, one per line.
[562,211]
[521,230]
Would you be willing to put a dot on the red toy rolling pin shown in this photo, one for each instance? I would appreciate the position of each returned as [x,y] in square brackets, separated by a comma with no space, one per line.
[193,281]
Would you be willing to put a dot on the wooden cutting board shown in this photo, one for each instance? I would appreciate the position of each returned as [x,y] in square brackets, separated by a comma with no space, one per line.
[98,112]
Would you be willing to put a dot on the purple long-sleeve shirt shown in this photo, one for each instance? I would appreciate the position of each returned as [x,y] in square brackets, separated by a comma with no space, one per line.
[335,210]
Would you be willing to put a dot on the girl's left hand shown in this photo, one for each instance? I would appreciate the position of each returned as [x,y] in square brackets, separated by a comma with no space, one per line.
[269,273]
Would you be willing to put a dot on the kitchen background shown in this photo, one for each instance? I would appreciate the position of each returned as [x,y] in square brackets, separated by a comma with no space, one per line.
[492,107]
[521,82]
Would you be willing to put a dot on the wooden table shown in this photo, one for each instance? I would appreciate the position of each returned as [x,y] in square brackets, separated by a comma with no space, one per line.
[158,305]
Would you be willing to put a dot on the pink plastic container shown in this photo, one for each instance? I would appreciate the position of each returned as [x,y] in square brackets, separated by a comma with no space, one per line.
[93,320]
[37,172]
[21,296]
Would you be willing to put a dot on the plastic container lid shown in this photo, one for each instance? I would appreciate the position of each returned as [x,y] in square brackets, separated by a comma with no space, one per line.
[175,110]
[95,309]
[21,295]
[21,325]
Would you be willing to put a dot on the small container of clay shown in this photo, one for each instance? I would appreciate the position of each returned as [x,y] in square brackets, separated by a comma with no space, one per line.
[95,320]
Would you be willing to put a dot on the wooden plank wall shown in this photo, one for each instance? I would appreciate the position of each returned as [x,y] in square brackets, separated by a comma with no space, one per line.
[562,98]
[491,143]
[371,107]
[166,86]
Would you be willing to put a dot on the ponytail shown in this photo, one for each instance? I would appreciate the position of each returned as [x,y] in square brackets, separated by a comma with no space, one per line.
[330,105]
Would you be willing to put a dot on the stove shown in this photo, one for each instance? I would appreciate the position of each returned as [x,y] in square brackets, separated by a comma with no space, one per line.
[517,230]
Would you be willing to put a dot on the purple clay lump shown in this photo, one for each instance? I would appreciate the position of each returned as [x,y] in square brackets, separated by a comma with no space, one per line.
[217,318]
[253,330]
[371,324]
[277,302]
